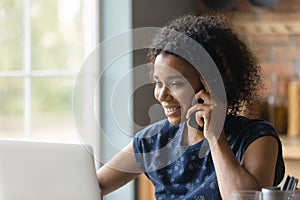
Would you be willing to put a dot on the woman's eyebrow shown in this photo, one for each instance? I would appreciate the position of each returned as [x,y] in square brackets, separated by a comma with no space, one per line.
[155,77]
[171,77]
[175,77]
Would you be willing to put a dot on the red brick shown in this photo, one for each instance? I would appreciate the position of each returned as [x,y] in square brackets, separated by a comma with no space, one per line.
[279,17]
[287,6]
[282,84]
[238,16]
[285,53]
[269,39]
[282,69]
[262,52]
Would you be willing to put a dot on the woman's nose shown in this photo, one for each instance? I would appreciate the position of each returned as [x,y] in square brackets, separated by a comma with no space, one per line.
[164,94]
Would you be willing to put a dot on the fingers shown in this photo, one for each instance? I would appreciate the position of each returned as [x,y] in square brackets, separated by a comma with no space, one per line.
[211,95]
[201,95]
[202,109]
[199,109]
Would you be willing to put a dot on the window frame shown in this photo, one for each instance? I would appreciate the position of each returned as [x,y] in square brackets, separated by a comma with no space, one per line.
[27,73]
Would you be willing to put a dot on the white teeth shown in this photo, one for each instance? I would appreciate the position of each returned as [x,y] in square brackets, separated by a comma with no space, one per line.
[171,109]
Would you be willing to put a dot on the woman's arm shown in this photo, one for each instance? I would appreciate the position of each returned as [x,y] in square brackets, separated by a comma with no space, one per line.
[257,167]
[118,171]
[255,171]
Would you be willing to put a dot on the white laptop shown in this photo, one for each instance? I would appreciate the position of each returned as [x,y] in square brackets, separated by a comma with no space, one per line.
[47,171]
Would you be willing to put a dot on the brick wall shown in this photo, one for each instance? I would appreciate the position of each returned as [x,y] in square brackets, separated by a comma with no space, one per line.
[274,35]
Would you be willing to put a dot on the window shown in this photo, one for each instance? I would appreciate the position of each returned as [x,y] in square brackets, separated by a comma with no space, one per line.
[42,46]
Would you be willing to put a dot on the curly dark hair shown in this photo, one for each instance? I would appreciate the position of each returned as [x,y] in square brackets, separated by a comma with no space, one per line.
[237,65]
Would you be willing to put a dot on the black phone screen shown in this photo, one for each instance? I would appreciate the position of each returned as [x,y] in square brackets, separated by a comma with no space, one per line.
[192,121]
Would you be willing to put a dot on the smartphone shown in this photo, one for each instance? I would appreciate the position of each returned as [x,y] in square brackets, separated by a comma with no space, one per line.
[192,121]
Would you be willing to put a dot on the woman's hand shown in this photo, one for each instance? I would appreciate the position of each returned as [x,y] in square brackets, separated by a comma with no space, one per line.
[203,110]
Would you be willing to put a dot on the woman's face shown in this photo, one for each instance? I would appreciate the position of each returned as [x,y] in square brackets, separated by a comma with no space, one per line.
[176,82]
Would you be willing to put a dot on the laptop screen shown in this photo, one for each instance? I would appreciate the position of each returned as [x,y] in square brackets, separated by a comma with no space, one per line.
[48,171]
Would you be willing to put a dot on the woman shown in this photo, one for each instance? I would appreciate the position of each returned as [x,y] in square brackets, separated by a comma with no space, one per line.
[245,154]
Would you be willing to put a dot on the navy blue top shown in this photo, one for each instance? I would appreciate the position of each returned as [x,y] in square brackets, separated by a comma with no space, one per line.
[181,172]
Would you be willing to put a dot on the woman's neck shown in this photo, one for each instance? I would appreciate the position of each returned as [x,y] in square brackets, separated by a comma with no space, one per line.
[192,136]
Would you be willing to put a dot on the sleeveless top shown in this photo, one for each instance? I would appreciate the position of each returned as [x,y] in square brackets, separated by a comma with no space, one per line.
[187,172]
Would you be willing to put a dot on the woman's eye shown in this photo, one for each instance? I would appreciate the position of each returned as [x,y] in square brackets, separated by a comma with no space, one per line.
[176,84]
[158,84]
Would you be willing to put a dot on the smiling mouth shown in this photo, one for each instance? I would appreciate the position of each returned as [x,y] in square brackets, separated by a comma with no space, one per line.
[172,110]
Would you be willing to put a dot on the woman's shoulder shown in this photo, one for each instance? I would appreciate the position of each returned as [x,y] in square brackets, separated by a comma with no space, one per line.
[245,130]
[152,129]
[243,123]
[156,136]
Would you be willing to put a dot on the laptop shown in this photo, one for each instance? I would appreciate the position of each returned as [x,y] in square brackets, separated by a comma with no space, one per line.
[47,171]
